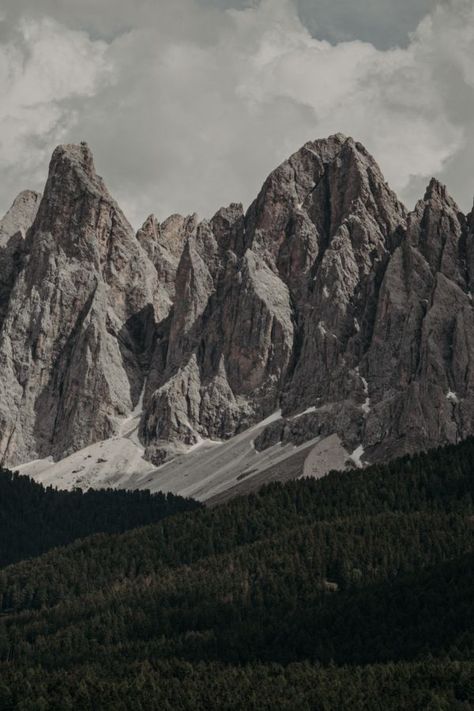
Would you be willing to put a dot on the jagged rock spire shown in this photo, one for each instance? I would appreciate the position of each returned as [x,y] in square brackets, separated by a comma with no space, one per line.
[68,340]
[325,299]
[20,216]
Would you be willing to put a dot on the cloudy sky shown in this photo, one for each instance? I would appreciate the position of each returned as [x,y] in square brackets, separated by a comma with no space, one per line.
[188,104]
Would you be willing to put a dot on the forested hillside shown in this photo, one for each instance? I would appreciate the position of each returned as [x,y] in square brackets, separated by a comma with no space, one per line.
[34,519]
[352,592]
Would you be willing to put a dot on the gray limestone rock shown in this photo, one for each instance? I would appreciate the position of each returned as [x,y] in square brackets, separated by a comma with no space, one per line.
[326,300]
[69,350]
[13,228]
[20,216]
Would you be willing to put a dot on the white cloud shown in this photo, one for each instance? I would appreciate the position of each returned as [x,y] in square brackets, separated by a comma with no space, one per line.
[192,114]
[44,69]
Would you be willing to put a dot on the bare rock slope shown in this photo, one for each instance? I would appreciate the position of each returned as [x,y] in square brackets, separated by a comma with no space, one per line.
[325,301]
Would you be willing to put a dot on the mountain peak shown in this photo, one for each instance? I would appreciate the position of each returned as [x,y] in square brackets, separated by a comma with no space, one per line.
[20,216]
[338,145]
[71,159]
[77,211]
[151,224]
[26,197]
[312,303]
[75,152]
[326,184]
[436,191]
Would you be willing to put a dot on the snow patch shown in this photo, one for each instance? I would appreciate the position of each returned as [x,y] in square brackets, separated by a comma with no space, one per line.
[306,412]
[274,417]
[357,455]
[365,407]
[200,442]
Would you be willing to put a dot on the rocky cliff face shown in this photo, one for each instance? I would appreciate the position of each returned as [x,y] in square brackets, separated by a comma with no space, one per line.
[326,300]
[13,228]
[79,318]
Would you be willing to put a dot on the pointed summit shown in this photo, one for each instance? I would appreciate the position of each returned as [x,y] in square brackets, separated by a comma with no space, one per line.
[77,198]
[75,160]
[20,216]
[78,154]
[435,189]
[437,192]
[84,285]
[341,169]
[164,244]
[327,186]
[436,228]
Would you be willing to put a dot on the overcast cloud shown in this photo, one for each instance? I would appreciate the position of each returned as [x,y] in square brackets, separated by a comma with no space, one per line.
[188,104]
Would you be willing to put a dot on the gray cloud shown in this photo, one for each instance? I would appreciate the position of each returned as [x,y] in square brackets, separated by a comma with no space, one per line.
[188,105]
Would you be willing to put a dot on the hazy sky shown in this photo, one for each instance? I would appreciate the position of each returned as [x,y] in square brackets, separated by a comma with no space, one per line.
[188,104]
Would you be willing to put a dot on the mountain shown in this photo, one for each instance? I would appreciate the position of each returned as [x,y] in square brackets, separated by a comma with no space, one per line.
[351,592]
[196,355]
[34,519]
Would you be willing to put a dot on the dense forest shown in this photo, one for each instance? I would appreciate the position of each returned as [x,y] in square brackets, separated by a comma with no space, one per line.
[34,519]
[351,592]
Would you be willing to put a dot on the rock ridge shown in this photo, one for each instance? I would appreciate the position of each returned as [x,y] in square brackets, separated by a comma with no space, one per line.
[325,300]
